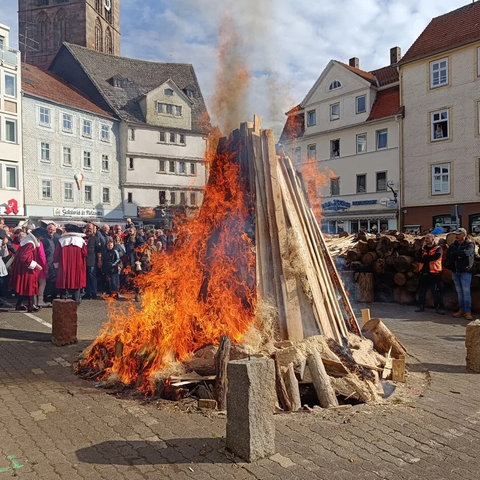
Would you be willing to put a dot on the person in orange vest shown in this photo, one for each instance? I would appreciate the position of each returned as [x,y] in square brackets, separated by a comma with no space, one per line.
[430,269]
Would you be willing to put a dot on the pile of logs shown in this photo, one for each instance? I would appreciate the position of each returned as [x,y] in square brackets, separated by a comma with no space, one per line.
[383,267]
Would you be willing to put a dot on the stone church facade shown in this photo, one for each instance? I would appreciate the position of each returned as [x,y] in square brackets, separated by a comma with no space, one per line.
[45,24]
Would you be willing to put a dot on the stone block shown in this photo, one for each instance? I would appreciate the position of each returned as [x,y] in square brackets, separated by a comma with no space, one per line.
[472,343]
[64,322]
[250,408]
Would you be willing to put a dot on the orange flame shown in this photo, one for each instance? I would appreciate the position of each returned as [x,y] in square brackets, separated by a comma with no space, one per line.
[191,297]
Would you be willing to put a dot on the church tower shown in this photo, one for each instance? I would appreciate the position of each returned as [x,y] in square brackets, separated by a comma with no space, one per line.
[44,24]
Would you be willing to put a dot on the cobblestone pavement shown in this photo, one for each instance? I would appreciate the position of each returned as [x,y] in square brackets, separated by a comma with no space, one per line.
[55,425]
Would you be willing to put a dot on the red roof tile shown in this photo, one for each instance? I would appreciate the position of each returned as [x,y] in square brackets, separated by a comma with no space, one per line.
[50,87]
[362,73]
[386,75]
[452,30]
[387,103]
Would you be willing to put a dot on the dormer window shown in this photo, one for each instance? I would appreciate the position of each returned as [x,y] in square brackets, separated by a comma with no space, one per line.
[169,92]
[189,92]
[169,109]
[334,85]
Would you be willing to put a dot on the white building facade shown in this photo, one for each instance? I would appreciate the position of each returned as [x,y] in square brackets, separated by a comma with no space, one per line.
[70,153]
[351,128]
[11,180]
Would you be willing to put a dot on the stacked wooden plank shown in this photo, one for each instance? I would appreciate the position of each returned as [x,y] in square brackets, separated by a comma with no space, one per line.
[294,268]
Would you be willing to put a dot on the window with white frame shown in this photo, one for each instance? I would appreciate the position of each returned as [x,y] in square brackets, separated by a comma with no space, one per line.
[105,133]
[45,152]
[172,137]
[131,164]
[439,125]
[334,85]
[67,156]
[46,189]
[193,198]
[10,130]
[183,198]
[362,143]
[335,148]
[178,110]
[181,139]
[10,85]
[173,198]
[105,163]
[182,168]
[129,197]
[67,122]
[163,137]
[161,166]
[361,104]
[168,92]
[11,177]
[44,116]
[171,166]
[131,134]
[162,197]
[312,151]
[382,139]
[381,181]
[86,128]
[68,191]
[335,111]
[478,61]
[88,194]
[169,109]
[361,183]
[439,73]
[311,118]
[334,186]
[193,168]
[441,179]
[87,159]
[105,195]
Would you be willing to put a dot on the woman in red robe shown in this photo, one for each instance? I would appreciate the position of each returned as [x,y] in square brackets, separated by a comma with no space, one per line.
[69,259]
[24,279]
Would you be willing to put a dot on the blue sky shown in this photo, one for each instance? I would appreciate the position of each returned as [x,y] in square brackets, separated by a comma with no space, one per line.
[281,45]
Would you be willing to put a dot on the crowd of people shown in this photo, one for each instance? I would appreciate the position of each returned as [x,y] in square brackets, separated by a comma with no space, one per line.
[459,258]
[92,261]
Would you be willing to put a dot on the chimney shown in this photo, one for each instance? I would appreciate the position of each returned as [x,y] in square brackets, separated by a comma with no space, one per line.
[354,62]
[395,55]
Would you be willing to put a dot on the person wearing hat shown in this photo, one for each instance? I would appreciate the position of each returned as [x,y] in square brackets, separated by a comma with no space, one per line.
[69,261]
[41,258]
[460,259]
[25,271]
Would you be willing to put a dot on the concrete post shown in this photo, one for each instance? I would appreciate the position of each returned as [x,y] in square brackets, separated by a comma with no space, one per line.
[250,408]
[472,343]
[64,322]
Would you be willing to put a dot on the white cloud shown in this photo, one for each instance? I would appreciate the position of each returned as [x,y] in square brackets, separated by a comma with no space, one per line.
[285,44]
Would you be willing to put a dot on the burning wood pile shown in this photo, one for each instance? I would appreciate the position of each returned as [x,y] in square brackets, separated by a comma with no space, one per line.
[251,275]
[386,269]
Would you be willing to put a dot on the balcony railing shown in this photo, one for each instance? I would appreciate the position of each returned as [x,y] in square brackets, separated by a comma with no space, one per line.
[9,57]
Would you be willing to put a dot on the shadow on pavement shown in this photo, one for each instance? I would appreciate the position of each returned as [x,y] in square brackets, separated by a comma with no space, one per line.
[438,367]
[143,452]
[11,334]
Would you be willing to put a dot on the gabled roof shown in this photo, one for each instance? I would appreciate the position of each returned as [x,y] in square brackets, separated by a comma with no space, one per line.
[361,73]
[386,104]
[49,86]
[138,78]
[454,29]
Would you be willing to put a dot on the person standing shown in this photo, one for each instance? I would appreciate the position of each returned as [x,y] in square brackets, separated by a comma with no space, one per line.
[69,259]
[111,266]
[24,279]
[50,241]
[430,270]
[94,261]
[460,258]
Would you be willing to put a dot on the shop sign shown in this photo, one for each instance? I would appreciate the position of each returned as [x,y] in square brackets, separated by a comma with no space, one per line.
[364,202]
[77,212]
[336,205]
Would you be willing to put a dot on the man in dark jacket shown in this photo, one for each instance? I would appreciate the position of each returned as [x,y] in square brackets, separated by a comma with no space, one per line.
[49,242]
[430,269]
[460,259]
